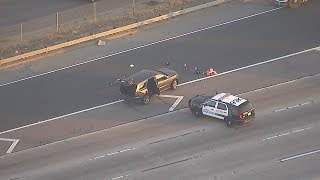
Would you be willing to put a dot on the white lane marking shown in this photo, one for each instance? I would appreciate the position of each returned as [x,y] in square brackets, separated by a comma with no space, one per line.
[110,154]
[140,47]
[12,146]
[299,155]
[286,133]
[99,157]
[249,66]
[317,49]
[175,104]
[63,116]
[119,177]
[298,105]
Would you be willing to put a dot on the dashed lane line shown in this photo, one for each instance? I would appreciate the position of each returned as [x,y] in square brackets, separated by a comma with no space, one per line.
[151,143]
[286,133]
[297,105]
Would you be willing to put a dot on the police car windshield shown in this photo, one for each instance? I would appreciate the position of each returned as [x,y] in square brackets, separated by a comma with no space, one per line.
[244,107]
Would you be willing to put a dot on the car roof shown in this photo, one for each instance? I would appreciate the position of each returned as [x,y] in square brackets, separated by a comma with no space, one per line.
[142,76]
[229,99]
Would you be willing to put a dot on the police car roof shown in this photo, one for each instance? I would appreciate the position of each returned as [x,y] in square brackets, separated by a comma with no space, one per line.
[229,99]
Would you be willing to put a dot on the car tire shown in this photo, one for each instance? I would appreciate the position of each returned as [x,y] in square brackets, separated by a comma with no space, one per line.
[146,100]
[174,84]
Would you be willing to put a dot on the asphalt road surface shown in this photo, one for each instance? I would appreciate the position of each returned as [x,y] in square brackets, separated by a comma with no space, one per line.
[230,46]
[149,142]
[282,143]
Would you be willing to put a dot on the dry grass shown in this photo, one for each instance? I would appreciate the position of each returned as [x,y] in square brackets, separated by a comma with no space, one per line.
[12,46]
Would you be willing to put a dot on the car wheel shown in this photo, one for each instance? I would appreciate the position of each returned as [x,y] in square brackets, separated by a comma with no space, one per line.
[174,84]
[146,100]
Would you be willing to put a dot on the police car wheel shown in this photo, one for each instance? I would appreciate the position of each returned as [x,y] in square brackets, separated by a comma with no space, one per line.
[146,100]
[174,84]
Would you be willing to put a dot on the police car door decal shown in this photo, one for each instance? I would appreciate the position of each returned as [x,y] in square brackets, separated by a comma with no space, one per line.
[221,111]
[209,108]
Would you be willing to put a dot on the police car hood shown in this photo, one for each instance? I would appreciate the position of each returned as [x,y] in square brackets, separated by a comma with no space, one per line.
[199,99]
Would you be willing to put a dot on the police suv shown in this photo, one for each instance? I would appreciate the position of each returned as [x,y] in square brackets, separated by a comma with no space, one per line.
[232,109]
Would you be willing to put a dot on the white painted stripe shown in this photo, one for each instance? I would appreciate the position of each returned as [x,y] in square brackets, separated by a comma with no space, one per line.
[12,146]
[298,105]
[127,150]
[110,154]
[98,157]
[281,84]
[140,47]
[300,155]
[63,116]
[286,133]
[250,66]
[119,177]
[175,104]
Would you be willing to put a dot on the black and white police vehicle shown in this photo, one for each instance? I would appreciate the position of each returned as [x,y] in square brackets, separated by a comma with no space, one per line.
[232,109]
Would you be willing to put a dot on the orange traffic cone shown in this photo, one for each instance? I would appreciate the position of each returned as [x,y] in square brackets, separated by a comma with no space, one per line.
[211,72]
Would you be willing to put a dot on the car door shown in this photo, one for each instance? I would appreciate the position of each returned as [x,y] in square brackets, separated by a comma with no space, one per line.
[162,82]
[221,110]
[209,108]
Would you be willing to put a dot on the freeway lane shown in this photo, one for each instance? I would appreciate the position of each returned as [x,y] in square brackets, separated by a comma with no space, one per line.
[304,79]
[178,145]
[225,47]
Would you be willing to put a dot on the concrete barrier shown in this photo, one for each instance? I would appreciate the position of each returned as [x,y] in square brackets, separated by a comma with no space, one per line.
[110,32]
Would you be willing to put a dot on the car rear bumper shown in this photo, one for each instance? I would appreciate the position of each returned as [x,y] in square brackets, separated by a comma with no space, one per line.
[246,120]
[136,99]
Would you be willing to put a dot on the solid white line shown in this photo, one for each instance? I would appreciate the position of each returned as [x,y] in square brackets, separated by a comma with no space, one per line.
[63,116]
[140,47]
[300,155]
[249,66]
